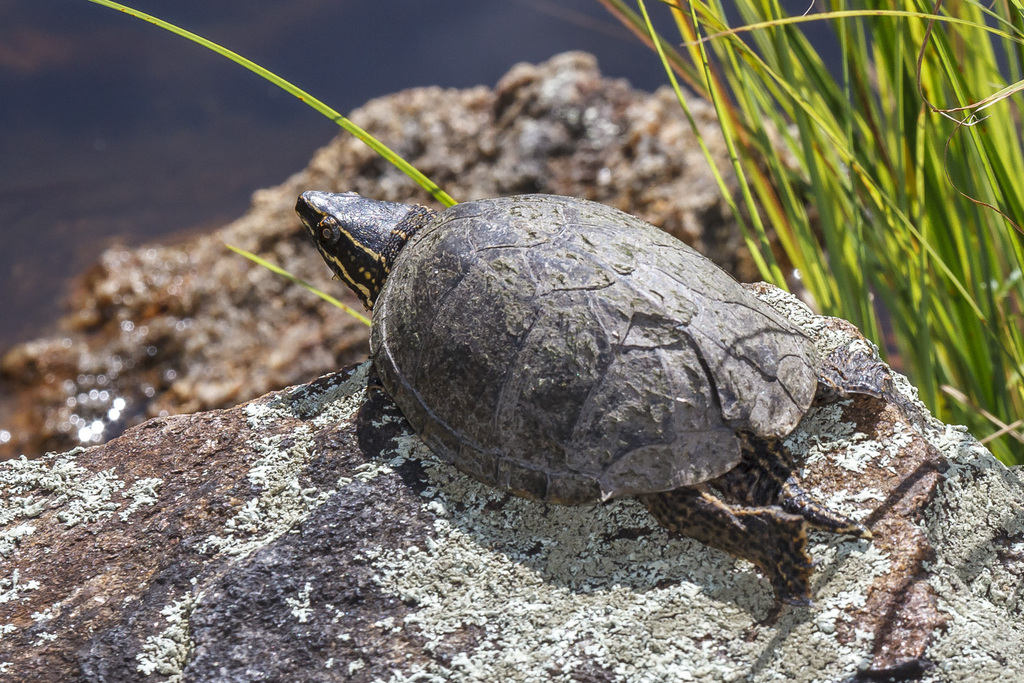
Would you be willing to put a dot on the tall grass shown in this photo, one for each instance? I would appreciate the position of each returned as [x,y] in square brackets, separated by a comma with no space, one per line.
[895,188]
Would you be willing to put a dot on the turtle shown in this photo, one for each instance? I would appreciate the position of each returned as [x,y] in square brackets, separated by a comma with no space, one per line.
[568,352]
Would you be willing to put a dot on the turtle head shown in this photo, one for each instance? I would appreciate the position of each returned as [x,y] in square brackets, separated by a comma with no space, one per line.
[358,237]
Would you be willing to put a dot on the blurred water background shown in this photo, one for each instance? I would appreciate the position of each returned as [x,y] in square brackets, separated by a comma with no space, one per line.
[114,131]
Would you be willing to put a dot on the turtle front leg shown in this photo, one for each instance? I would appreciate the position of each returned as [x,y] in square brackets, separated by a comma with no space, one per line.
[773,539]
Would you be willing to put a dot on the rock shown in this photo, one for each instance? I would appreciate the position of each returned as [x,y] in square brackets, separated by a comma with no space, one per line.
[307,535]
[163,330]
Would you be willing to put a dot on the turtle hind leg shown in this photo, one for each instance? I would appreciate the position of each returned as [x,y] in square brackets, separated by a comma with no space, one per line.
[774,540]
[764,476]
[794,499]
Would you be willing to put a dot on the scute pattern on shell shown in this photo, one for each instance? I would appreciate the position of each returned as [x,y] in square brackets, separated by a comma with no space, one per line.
[569,352]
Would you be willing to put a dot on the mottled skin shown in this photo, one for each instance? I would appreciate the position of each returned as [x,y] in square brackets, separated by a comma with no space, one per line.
[568,352]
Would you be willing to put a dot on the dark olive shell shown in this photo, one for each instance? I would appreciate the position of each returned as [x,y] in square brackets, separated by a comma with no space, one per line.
[569,352]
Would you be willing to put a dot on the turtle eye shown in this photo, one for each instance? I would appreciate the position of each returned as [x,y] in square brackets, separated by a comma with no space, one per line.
[329,230]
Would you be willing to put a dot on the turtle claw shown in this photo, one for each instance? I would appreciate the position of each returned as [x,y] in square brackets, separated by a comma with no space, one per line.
[857,529]
[797,600]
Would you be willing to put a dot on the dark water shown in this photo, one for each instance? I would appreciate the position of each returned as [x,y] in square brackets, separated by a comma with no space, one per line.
[112,130]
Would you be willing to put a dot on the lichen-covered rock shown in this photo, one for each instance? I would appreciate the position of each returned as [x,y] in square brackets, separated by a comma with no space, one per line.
[308,535]
[163,330]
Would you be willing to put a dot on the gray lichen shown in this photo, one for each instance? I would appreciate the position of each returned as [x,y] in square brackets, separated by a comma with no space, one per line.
[12,587]
[167,652]
[142,492]
[57,481]
[977,527]
[559,592]
[282,501]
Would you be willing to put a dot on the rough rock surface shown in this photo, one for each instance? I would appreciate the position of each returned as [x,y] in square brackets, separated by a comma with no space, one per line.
[306,535]
[164,330]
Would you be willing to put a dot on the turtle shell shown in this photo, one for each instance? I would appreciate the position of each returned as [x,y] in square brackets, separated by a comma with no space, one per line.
[569,352]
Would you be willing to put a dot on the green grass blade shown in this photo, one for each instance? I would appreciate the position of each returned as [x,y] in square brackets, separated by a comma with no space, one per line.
[757,250]
[300,282]
[380,148]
